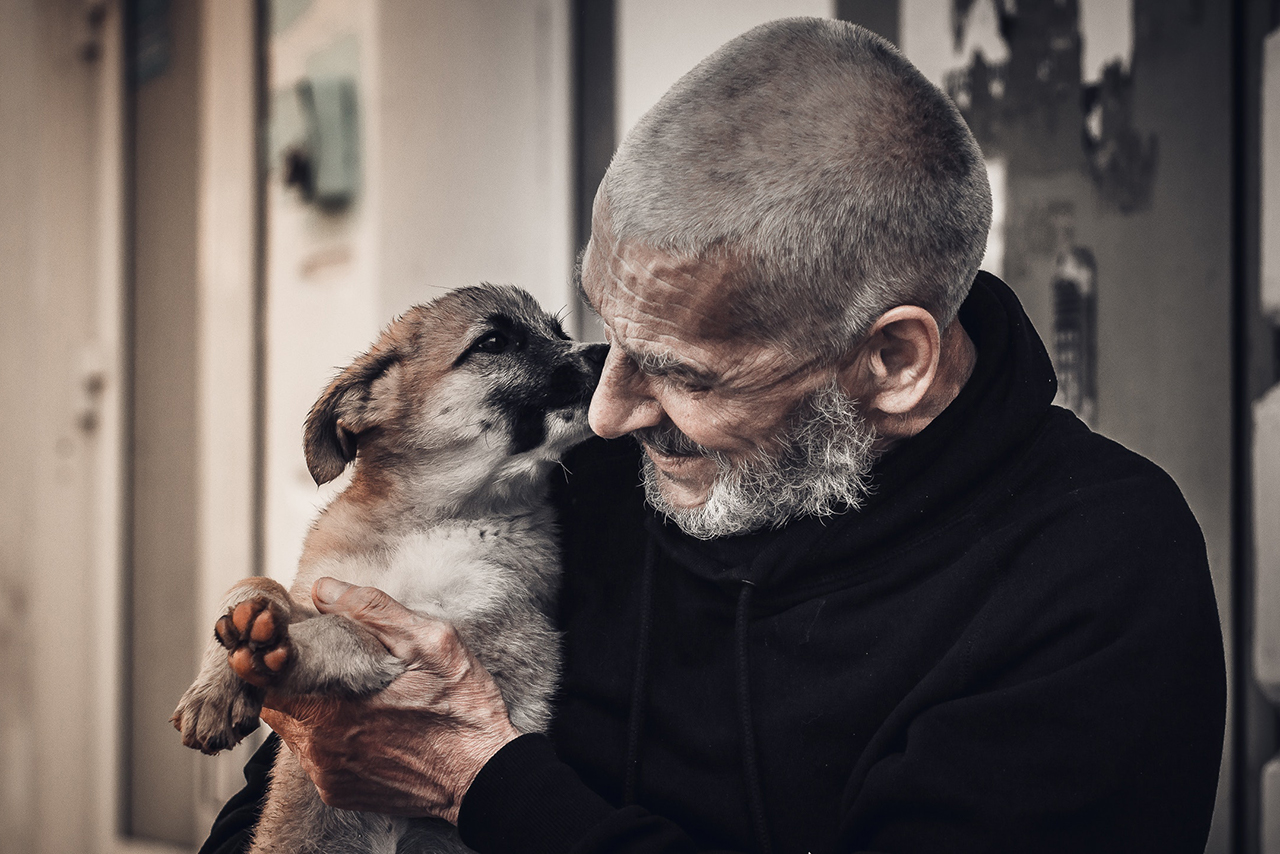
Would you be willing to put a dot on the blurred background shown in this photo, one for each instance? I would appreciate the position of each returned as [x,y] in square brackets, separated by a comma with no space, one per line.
[207,206]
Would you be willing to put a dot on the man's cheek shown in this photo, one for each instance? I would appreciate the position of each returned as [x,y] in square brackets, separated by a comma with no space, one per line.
[712,427]
[696,426]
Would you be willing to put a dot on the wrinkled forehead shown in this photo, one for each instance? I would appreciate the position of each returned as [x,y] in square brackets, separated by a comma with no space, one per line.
[689,297]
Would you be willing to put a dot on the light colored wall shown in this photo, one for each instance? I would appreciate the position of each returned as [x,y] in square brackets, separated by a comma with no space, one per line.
[322,269]
[63,633]
[60,380]
[18,99]
[162,556]
[227,361]
[474,159]
[659,40]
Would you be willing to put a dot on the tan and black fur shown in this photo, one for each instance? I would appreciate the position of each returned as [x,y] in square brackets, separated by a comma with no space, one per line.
[453,419]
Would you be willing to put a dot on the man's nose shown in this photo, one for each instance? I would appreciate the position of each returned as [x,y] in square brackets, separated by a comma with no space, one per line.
[622,401]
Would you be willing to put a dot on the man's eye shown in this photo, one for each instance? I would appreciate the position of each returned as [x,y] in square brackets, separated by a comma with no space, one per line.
[494,342]
[688,385]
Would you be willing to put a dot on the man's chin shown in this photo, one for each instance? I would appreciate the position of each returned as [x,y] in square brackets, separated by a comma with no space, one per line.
[684,481]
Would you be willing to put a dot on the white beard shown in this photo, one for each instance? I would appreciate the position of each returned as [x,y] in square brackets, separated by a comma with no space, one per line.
[823,468]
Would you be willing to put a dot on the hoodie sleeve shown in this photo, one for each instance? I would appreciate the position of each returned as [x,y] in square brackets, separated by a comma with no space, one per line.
[526,801]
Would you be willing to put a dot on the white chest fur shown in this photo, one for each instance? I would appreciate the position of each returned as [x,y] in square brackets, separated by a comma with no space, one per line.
[455,570]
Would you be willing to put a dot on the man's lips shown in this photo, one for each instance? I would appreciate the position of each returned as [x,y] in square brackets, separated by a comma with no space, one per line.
[657,454]
[687,477]
[670,463]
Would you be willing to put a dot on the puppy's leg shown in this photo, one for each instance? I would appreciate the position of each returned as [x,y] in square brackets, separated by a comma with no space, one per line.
[220,709]
[334,655]
[265,640]
[272,642]
[254,630]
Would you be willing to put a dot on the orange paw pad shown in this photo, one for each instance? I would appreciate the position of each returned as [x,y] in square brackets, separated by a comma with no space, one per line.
[256,635]
[242,616]
[242,659]
[275,660]
[263,628]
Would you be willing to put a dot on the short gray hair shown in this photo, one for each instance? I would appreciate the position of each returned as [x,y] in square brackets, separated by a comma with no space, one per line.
[813,155]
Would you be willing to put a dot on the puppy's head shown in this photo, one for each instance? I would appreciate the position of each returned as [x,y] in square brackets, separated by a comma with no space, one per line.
[480,384]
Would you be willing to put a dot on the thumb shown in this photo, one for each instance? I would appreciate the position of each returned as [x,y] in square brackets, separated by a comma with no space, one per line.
[388,620]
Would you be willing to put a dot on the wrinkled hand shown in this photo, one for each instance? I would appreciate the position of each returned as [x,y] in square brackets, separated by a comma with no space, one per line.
[413,749]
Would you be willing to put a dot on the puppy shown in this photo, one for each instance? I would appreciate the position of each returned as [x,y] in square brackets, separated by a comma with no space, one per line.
[453,420]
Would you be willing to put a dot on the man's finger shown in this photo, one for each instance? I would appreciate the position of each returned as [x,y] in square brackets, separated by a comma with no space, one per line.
[289,710]
[391,622]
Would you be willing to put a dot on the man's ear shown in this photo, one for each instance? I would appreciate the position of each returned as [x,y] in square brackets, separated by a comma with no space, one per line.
[358,399]
[896,365]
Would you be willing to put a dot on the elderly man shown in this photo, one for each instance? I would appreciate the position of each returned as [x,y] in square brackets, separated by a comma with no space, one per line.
[878,594]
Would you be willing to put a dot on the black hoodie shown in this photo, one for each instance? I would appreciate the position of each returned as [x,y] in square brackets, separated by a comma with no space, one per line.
[1013,646]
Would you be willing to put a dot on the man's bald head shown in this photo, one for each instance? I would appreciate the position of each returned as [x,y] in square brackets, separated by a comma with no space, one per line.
[812,157]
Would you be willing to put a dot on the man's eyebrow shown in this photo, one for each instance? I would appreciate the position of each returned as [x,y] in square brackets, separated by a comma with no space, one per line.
[664,364]
[578,287]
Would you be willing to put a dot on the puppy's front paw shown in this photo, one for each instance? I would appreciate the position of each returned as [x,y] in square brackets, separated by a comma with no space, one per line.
[256,635]
[215,716]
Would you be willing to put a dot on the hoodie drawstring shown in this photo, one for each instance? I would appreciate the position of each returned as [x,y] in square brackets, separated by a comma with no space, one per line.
[639,680]
[639,687]
[750,765]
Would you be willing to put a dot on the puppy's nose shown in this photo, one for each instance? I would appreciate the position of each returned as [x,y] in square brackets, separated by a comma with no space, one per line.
[595,355]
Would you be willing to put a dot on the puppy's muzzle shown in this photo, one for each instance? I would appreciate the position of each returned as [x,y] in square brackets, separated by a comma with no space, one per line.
[573,382]
[594,355]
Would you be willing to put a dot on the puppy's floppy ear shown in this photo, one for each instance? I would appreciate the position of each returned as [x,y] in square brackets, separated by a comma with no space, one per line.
[349,406]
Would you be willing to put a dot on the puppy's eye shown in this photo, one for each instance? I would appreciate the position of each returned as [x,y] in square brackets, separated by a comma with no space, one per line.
[493,342]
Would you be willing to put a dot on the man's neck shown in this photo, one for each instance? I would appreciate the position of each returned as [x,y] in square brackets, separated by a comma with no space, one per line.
[955,366]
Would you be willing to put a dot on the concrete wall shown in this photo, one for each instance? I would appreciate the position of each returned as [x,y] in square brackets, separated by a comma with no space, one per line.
[322,268]
[475,156]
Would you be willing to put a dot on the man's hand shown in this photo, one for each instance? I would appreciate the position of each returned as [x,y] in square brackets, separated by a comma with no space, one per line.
[414,748]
